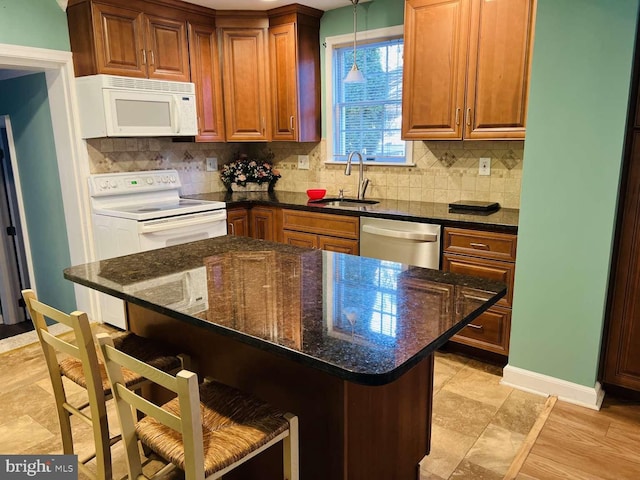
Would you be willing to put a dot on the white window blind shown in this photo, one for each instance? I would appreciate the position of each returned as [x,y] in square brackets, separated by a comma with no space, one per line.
[368,116]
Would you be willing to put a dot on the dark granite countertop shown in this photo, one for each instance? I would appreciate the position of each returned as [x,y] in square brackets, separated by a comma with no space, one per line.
[361,319]
[504,220]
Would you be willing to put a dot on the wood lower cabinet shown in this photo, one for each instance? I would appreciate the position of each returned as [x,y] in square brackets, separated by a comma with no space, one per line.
[205,74]
[488,255]
[238,222]
[130,38]
[338,233]
[294,57]
[265,223]
[466,68]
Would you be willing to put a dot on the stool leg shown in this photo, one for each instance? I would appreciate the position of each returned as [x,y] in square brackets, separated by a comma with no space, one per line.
[290,448]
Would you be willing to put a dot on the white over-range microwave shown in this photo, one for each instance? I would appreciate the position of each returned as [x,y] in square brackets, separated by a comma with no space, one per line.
[113,106]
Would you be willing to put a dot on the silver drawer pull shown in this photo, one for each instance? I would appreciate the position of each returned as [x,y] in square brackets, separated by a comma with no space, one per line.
[477,327]
[479,246]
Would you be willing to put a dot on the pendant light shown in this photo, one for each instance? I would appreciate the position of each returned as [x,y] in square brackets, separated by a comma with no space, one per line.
[354,75]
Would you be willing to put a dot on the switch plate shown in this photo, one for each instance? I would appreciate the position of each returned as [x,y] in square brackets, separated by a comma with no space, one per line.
[303,162]
[485,166]
[212,164]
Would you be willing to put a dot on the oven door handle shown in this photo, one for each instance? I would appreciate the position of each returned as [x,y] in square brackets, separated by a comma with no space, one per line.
[190,222]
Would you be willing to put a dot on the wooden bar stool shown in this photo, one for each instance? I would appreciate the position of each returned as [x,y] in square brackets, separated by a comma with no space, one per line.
[81,366]
[206,431]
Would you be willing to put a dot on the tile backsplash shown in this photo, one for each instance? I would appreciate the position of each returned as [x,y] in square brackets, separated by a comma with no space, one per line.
[444,171]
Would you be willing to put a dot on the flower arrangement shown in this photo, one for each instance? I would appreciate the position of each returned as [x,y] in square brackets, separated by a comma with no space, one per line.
[242,170]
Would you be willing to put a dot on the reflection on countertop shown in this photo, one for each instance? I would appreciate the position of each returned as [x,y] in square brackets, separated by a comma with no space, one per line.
[503,220]
[362,319]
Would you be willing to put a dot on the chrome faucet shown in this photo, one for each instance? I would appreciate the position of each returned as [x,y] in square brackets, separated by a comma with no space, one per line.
[362,182]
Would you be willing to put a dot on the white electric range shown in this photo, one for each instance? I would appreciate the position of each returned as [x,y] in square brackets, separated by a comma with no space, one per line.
[139,211]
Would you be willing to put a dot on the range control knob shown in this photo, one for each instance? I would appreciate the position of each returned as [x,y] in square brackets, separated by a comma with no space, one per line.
[165,179]
[172,179]
[149,180]
[104,184]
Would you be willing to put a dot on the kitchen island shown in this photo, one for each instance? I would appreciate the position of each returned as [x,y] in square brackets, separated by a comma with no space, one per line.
[344,342]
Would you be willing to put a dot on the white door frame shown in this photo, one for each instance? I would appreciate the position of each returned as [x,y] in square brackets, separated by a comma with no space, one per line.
[71,153]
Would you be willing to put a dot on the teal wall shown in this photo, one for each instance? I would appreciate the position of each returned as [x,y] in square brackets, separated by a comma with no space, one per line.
[34,23]
[26,102]
[42,24]
[572,160]
[371,15]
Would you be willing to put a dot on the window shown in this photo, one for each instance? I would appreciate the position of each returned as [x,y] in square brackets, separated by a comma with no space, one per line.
[367,117]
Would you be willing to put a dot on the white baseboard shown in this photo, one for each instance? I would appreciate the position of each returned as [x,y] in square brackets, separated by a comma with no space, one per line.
[545,385]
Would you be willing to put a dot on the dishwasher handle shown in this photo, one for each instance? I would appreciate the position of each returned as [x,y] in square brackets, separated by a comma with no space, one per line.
[402,234]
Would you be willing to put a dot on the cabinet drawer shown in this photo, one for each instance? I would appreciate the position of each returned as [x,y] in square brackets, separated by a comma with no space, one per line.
[300,239]
[490,331]
[479,267]
[498,246]
[322,223]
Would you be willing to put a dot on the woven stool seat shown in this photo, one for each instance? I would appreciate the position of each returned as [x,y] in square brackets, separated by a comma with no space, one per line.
[207,430]
[159,356]
[233,425]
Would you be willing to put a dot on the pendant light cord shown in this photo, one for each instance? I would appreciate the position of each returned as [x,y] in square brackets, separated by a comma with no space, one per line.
[355,27]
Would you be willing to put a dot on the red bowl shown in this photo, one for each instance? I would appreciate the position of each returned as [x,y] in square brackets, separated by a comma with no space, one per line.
[316,193]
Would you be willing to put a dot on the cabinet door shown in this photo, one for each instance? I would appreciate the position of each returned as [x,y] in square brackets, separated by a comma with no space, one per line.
[284,90]
[119,37]
[244,81]
[167,50]
[238,222]
[300,239]
[205,74]
[498,72]
[622,354]
[435,59]
[263,223]
[341,245]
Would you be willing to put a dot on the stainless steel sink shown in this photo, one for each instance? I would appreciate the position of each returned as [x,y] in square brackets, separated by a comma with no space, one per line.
[344,202]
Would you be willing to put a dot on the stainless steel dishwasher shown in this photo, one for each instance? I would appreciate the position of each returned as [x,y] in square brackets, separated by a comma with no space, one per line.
[399,241]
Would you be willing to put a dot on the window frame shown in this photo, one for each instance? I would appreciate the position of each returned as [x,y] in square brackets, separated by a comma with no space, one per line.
[346,40]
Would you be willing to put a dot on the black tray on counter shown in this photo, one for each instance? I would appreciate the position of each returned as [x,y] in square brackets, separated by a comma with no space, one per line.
[473,207]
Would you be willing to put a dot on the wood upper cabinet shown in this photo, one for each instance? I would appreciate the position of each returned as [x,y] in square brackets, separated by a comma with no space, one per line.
[205,74]
[244,78]
[294,61]
[466,69]
[121,38]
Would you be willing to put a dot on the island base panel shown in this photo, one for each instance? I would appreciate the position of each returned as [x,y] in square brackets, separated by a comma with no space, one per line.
[348,431]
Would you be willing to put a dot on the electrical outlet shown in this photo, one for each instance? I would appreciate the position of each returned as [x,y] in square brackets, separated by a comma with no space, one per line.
[212,164]
[303,162]
[485,166]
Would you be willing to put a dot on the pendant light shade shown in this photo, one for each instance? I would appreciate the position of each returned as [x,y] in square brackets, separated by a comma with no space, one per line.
[354,75]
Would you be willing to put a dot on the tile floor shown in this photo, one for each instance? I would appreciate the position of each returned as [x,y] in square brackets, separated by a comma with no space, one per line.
[478,424]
